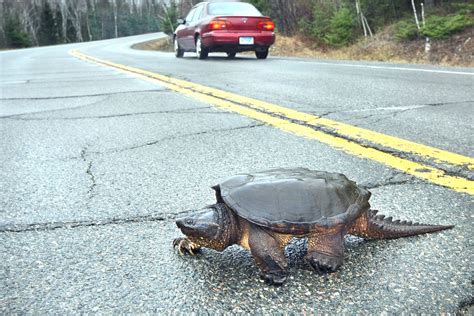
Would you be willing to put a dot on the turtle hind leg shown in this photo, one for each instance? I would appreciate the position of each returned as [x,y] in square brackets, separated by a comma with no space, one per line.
[326,250]
[268,253]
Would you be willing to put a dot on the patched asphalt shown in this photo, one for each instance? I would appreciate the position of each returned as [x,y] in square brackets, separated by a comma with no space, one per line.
[97,164]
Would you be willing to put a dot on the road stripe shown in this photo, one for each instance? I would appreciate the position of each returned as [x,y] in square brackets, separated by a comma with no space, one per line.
[339,135]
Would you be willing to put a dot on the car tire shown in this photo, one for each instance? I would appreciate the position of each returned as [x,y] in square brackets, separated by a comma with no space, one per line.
[201,51]
[262,54]
[231,54]
[178,51]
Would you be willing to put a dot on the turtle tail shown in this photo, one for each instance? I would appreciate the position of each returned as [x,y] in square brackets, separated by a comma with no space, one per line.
[373,226]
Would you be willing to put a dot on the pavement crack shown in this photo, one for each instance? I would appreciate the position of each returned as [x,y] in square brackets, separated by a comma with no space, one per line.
[84,95]
[19,116]
[48,226]
[448,103]
[326,114]
[394,179]
[212,131]
[90,174]
[178,111]
[386,183]
[397,110]
[92,177]
[378,111]
[384,116]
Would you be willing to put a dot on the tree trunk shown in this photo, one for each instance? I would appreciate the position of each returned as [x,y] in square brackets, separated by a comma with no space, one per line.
[89,34]
[416,15]
[359,13]
[64,11]
[114,3]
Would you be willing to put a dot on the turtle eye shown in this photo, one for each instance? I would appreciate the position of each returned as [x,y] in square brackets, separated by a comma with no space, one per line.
[188,221]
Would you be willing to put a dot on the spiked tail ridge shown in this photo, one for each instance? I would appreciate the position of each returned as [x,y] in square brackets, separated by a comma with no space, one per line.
[373,226]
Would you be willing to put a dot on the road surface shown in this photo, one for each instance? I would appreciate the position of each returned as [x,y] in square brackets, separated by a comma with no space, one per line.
[97,162]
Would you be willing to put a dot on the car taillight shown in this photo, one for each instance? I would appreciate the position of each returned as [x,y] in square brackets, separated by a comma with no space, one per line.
[266,25]
[218,25]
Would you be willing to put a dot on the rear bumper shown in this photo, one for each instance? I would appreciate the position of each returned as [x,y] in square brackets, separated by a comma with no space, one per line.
[219,41]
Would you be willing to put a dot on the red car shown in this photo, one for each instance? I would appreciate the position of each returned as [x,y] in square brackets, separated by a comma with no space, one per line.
[229,27]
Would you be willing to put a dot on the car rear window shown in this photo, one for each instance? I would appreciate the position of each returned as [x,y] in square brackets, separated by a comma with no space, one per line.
[233,8]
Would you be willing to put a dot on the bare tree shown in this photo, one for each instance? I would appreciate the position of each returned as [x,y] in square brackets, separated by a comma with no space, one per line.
[114,6]
[363,20]
[289,13]
[30,23]
[167,16]
[414,13]
[64,14]
[427,39]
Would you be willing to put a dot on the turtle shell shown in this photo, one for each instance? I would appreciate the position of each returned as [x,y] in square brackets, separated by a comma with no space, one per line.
[293,201]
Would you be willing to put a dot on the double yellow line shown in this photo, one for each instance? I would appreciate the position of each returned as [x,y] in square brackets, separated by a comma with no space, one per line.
[353,140]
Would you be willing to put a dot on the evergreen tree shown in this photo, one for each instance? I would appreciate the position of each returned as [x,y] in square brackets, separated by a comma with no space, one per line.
[170,17]
[341,28]
[262,5]
[49,32]
[15,36]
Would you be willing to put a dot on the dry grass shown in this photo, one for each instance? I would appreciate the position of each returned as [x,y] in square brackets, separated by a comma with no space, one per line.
[455,51]
[162,44]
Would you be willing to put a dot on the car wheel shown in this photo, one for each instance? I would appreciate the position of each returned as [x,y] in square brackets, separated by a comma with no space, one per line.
[231,54]
[178,52]
[201,51]
[262,54]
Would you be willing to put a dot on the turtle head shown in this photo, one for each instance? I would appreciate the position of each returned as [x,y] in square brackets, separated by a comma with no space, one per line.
[208,227]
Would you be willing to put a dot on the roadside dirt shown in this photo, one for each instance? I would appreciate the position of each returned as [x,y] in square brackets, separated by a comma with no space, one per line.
[162,44]
[458,50]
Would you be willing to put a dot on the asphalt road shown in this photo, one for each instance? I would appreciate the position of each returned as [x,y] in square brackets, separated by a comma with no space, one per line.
[97,163]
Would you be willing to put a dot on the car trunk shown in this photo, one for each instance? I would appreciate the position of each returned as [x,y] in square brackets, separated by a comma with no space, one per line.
[243,23]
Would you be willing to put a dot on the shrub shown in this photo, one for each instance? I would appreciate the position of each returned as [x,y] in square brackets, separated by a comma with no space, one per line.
[317,23]
[405,30]
[341,28]
[439,27]
[15,36]
[463,8]
[304,26]
[321,20]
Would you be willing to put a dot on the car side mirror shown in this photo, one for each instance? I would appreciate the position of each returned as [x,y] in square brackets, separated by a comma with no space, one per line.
[181,21]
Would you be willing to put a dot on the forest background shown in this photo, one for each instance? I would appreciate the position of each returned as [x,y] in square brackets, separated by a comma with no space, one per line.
[324,24]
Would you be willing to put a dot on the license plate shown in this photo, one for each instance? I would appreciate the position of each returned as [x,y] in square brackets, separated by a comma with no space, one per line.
[246,40]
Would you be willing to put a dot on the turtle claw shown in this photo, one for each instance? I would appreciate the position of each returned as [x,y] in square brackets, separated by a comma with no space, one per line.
[274,278]
[322,263]
[185,246]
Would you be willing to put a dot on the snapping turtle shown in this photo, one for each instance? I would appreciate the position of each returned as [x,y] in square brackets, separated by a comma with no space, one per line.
[263,211]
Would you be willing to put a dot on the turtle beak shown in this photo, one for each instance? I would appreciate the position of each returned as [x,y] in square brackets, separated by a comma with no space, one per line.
[180,223]
[186,223]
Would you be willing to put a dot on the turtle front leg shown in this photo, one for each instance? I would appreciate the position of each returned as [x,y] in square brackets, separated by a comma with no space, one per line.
[269,255]
[326,250]
[185,246]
